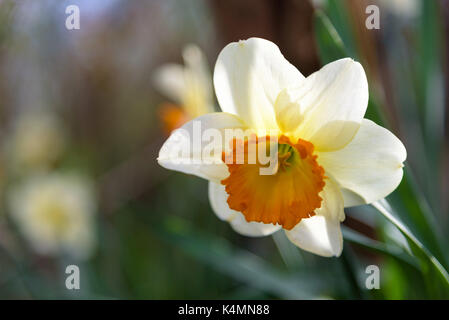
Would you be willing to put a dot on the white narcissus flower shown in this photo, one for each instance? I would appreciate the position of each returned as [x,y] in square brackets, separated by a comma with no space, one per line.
[55,214]
[330,157]
[189,86]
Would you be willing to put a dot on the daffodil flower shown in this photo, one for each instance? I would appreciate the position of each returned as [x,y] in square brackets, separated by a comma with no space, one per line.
[55,213]
[329,156]
[189,87]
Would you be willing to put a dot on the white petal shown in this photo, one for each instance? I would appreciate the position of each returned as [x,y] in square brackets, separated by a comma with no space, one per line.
[252,229]
[169,79]
[218,198]
[190,85]
[335,99]
[332,206]
[370,165]
[218,201]
[318,235]
[198,97]
[321,234]
[351,199]
[184,149]
[195,61]
[248,77]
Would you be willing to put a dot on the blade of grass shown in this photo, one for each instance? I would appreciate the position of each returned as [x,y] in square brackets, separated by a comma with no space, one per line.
[339,16]
[379,247]
[349,264]
[410,204]
[330,45]
[426,257]
[431,93]
[289,252]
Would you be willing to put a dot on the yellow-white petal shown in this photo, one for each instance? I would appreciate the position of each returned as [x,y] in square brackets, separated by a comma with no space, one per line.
[335,99]
[190,85]
[248,77]
[321,234]
[289,114]
[198,96]
[370,165]
[218,198]
[169,80]
[184,150]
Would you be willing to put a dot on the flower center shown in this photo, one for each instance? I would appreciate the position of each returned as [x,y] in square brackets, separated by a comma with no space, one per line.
[285,197]
[53,215]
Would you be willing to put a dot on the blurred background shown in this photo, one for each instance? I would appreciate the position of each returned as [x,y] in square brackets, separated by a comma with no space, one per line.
[84,112]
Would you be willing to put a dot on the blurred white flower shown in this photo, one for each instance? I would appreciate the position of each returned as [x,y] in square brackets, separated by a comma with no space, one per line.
[189,87]
[37,141]
[55,214]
